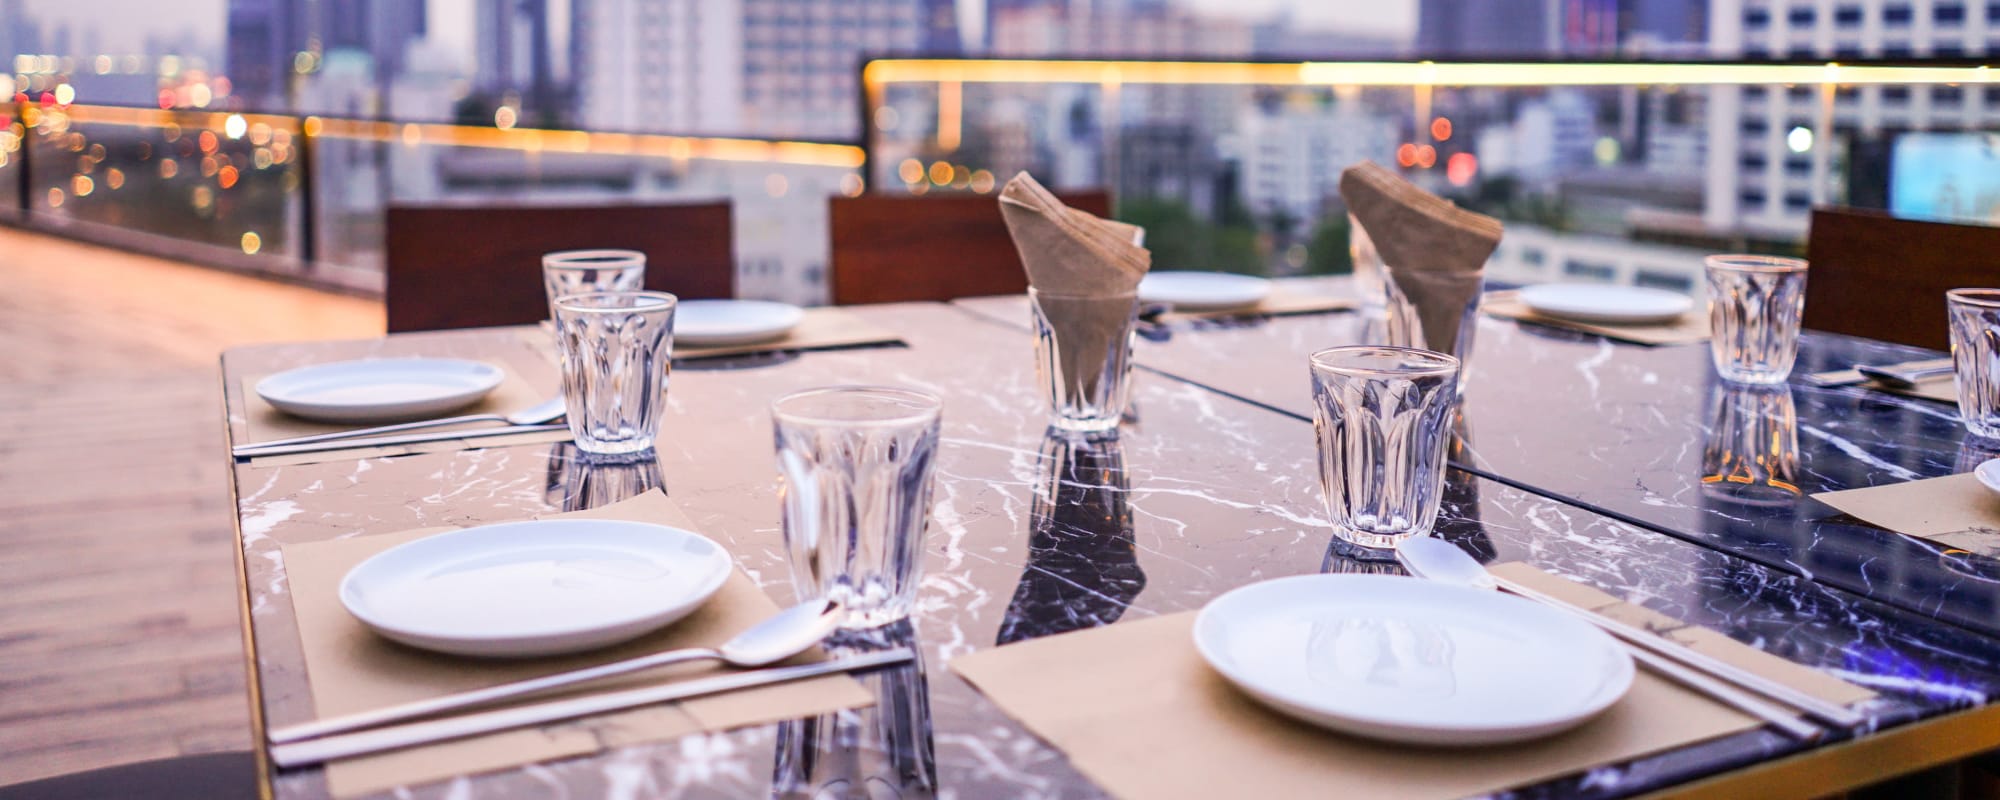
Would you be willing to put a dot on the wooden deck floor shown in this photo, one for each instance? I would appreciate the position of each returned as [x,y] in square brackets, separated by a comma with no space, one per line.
[118,625]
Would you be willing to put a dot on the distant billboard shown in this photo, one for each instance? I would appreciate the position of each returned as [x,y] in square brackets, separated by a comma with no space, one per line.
[1953,177]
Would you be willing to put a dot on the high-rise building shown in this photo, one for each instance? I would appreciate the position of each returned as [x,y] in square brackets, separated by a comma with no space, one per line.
[1292,155]
[527,55]
[271,41]
[1772,150]
[1497,28]
[264,38]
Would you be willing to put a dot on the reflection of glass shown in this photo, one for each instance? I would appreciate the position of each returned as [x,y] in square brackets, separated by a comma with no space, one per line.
[879,751]
[1974,451]
[857,463]
[1751,453]
[1975,353]
[1083,356]
[578,482]
[1397,655]
[1382,417]
[1083,568]
[616,350]
[584,271]
[1754,303]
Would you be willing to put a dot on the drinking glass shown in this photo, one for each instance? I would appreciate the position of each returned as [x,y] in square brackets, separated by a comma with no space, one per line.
[1754,304]
[1083,356]
[616,348]
[1382,416]
[568,272]
[1751,452]
[857,463]
[1975,357]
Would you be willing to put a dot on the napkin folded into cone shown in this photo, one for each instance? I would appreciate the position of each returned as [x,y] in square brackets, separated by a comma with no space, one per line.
[1434,252]
[1085,271]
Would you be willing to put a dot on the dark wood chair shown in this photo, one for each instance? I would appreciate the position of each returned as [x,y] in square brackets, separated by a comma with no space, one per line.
[1881,277]
[467,267]
[899,248]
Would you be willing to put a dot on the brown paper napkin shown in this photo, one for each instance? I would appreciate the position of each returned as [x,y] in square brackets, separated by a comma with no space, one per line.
[1434,253]
[351,669]
[1137,710]
[1691,327]
[1955,510]
[1069,251]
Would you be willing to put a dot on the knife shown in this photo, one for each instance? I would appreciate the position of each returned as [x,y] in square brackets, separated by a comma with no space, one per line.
[376,740]
[1904,376]
[256,451]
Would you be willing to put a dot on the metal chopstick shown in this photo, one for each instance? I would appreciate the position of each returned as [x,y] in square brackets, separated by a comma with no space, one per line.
[259,451]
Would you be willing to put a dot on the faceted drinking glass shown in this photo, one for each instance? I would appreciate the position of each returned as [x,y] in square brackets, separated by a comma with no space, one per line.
[1382,416]
[570,272]
[1083,356]
[616,349]
[1754,303]
[857,464]
[1975,357]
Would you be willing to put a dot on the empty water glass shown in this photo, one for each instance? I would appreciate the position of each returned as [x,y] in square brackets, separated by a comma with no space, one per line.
[616,353]
[570,272]
[1975,357]
[1382,417]
[857,464]
[1754,303]
[1083,356]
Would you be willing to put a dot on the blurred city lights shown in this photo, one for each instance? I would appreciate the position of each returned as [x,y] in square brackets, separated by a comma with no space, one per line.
[226,177]
[115,178]
[252,242]
[65,94]
[56,197]
[911,170]
[199,95]
[169,168]
[982,181]
[260,134]
[235,126]
[207,140]
[1406,155]
[1427,156]
[851,185]
[204,198]
[775,185]
[312,126]
[1606,151]
[941,173]
[1460,168]
[503,118]
[1799,139]
[82,185]
[887,118]
[1440,129]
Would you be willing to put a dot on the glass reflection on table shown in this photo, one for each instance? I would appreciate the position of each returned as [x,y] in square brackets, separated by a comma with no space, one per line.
[1750,454]
[1083,565]
[885,750]
[578,481]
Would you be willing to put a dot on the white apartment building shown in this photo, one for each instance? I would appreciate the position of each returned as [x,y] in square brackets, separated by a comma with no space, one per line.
[1292,157]
[779,68]
[1762,177]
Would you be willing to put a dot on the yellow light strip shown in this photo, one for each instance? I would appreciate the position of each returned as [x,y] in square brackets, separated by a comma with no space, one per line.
[1405,73]
[524,139]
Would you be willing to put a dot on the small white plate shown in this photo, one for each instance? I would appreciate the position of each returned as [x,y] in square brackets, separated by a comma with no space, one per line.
[712,323]
[1988,473]
[1203,291]
[1616,305]
[537,588]
[380,389]
[1408,660]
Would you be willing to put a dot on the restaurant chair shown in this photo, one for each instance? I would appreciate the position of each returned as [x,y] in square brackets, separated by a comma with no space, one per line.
[474,266]
[902,248]
[1881,277]
[209,776]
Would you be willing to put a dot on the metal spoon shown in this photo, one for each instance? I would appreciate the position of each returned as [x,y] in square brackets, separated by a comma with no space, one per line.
[777,638]
[546,411]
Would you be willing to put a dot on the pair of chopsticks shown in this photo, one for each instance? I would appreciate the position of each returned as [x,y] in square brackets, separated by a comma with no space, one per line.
[307,752]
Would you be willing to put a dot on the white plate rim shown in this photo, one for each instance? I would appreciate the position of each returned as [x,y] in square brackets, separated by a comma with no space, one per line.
[651,617]
[484,377]
[739,333]
[1248,290]
[1534,297]
[1466,733]
[1988,473]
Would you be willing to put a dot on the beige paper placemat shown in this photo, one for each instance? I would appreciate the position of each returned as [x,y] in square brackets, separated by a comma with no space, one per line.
[1137,710]
[1955,510]
[1281,302]
[1692,327]
[351,669]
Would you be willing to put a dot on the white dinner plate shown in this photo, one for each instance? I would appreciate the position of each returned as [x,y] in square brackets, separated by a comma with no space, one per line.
[1203,291]
[537,588]
[723,322]
[380,389]
[1988,473]
[1408,660]
[1616,305]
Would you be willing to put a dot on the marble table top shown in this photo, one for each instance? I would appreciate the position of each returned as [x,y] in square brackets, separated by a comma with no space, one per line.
[1032,535]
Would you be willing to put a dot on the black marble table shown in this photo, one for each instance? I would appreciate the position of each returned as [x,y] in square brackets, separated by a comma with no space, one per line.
[1647,435]
[1033,534]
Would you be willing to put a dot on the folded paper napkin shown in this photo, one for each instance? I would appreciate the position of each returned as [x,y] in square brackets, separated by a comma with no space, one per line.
[351,669]
[1068,251]
[1433,251]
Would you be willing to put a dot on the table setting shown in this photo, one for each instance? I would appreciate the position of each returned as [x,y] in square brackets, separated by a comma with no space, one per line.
[1043,576]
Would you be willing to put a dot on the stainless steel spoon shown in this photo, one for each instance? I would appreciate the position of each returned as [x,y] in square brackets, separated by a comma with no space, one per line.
[546,411]
[777,638]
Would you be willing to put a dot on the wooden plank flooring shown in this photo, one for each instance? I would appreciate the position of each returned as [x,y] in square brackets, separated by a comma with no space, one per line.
[119,638]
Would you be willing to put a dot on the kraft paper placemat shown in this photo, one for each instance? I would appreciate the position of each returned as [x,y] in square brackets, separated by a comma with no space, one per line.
[1690,328]
[1955,510]
[351,669]
[1136,709]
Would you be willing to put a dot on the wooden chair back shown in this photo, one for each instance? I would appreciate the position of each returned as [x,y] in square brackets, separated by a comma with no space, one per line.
[468,267]
[1881,277]
[900,248]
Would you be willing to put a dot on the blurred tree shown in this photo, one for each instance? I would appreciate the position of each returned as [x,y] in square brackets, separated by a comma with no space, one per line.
[1178,240]
[1327,253]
